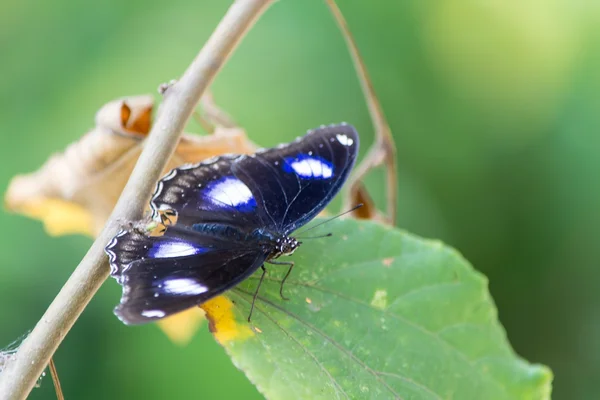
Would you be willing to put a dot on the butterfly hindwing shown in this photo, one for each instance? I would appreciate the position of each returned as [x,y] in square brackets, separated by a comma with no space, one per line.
[163,275]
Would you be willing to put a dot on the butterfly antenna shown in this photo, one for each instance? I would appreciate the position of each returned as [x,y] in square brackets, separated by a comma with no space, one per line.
[315,237]
[356,207]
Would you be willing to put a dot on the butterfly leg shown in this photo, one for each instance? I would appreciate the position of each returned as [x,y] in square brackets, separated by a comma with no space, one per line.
[256,292]
[291,265]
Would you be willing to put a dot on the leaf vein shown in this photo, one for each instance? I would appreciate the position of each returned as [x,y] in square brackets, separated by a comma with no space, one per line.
[304,348]
[423,288]
[326,337]
[432,334]
[411,381]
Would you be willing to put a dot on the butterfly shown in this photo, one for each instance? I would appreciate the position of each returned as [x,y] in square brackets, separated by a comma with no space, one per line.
[233,214]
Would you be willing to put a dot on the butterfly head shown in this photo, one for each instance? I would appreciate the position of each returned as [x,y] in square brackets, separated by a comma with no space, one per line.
[285,246]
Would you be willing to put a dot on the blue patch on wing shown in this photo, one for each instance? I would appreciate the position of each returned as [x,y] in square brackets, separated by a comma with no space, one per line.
[307,166]
[170,248]
[229,191]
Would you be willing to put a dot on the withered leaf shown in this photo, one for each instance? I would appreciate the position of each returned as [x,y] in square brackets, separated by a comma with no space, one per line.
[181,327]
[359,195]
[76,190]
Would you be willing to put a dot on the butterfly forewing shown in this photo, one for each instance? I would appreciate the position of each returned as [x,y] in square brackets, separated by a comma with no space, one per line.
[295,182]
[206,192]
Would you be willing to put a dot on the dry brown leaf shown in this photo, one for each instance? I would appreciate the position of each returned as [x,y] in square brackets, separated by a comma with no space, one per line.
[360,195]
[75,191]
[181,327]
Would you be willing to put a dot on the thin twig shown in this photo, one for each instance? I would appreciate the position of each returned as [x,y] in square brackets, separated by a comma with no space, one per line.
[383,151]
[215,114]
[55,380]
[20,376]
[211,115]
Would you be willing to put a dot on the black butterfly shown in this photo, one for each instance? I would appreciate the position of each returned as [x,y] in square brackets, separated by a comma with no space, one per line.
[234,213]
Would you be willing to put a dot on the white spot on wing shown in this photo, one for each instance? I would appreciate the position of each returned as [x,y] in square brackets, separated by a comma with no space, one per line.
[345,140]
[230,191]
[173,249]
[153,313]
[185,286]
[312,168]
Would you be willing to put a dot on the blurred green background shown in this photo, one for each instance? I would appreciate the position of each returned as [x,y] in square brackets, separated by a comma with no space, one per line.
[495,107]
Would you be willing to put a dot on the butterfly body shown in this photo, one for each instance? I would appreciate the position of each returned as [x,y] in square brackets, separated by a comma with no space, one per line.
[274,243]
[233,215]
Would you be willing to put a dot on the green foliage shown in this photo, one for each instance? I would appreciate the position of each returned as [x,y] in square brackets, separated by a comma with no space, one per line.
[378,313]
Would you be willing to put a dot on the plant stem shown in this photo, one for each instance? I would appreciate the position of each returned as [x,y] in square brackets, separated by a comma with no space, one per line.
[383,151]
[20,376]
[56,380]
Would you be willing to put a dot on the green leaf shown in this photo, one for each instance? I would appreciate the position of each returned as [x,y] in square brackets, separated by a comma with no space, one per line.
[377,313]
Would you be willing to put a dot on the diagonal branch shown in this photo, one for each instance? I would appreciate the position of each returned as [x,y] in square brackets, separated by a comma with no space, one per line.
[383,151]
[19,377]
